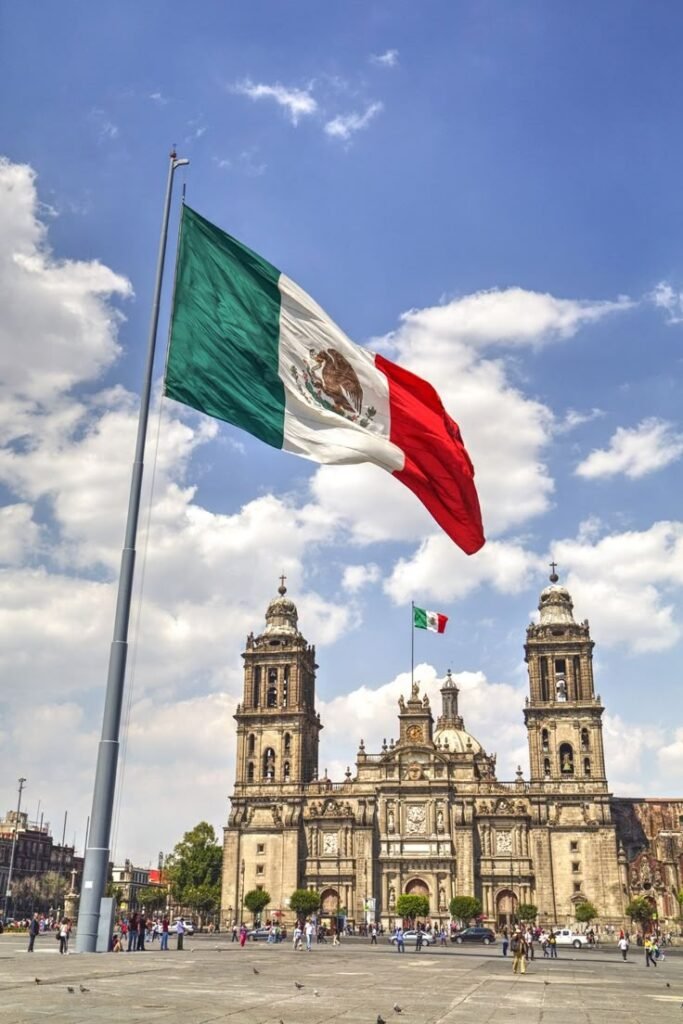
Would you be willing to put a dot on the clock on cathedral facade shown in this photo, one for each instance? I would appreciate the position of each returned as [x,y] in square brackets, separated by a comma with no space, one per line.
[427,813]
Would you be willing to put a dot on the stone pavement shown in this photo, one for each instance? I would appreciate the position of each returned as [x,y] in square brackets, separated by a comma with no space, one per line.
[214,981]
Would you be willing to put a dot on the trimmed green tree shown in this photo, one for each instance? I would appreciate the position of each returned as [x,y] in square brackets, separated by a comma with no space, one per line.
[151,897]
[465,908]
[641,910]
[257,900]
[527,912]
[412,906]
[194,869]
[585,912]
[304,902]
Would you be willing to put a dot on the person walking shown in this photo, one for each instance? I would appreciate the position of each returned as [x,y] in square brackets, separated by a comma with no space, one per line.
[419,938]
[141,933]
[243,935]
[552,945]
[400,941]
[180,933]
[64,936]
[335,937]
[235,936]
[308,931]
[506,940]
[296,937]
[623,946]
[518,948]
[133,932]
[373,934]
[33,929]
[164,933]
[649,952]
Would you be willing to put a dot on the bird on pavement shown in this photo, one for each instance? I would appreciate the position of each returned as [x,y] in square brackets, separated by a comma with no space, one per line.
[70,989]
[397,1008]
[38,981]
[255,971]
[668,985]
[298,984]
[83,988]
[380,1019]
[315,992]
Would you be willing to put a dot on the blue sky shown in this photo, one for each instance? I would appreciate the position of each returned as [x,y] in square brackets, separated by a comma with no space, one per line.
[489,193]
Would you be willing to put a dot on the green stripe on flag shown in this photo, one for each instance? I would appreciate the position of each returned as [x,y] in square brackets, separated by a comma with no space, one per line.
[225,330]
[419,618]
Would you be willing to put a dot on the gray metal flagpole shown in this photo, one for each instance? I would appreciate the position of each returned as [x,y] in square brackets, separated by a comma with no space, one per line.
[95,867]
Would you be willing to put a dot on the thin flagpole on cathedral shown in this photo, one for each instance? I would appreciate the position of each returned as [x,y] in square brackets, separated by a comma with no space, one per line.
[96,864]
[412,643]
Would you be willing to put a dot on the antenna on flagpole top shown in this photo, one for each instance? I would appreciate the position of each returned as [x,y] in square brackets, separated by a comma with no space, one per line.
[96,862]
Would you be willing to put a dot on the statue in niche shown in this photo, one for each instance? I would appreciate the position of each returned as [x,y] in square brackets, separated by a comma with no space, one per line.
[390,821]
[442,898]
[561,688]
[392,896]
[567,765]
[439,821]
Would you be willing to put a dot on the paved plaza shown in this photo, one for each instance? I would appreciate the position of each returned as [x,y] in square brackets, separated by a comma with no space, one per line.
[213,980]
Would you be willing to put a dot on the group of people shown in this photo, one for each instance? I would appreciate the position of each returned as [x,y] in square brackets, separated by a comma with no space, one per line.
[38,924]
[547,940]
[136,929]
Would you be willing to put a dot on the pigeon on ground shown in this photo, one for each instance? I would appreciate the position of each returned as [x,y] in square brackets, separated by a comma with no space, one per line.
[38,981]
[668,985]
[70,989]
[298,984]
[380,1019]
[315,992]
[397,1008]
[255,971]
[83,988]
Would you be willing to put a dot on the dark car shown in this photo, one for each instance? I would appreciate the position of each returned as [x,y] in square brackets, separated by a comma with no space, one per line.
[484,935]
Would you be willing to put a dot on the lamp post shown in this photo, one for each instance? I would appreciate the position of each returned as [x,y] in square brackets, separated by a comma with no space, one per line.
[8,891]
[242,900]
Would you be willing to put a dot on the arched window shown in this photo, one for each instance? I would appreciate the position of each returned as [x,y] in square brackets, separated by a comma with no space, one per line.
[546,767]
[250,772]
[257,686]
[271,696]
[285,685]
[566,759]
[545,689]
[251,743]
[545,740]
[269,764]
[285,771]
[586,766]
[288,743]
[585,741]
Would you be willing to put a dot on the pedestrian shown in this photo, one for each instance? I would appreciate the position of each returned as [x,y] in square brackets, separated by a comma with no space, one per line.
[506,940]
[418,941]
[33,929]
[552,943]
[164,933]
[141,934]
[373,934]
[180,932]
[296,937]
[519,952]
[442,936]
[309,929]
[64,936]
[650,951]
[400,941]
[335,937]
[234,931]
[623,946]
[133,931]
[243,934]
[116,946]
[529,939]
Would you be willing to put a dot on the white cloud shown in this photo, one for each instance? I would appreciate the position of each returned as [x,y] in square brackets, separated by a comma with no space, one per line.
[440,571]
[107,131]
[355,577]
[388,59]
[343,126]
[297,102]
[19,534]
[573,419]
[158,97]
[635,452]
[666,298]
[627,580]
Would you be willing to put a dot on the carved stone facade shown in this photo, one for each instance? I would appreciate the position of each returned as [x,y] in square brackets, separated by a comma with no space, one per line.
[427,813]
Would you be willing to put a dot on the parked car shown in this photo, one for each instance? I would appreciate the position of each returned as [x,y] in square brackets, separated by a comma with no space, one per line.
[189,927]
[483,935]
[410,938]
[568,937]
[258,933]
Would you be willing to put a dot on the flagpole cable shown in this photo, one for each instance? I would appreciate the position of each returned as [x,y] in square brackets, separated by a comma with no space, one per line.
[96,860]
[134,645]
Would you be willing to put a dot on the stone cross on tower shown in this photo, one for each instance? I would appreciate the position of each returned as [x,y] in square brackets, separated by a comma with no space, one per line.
[554,578]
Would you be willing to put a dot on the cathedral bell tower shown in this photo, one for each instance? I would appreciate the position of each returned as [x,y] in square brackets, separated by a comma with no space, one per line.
[277,725]
[562,713]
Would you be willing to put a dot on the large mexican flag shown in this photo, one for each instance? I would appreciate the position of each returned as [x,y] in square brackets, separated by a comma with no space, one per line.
[249,346]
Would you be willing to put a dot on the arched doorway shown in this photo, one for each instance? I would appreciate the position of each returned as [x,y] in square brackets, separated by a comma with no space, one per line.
[329,902]
[417,887]
[506,908]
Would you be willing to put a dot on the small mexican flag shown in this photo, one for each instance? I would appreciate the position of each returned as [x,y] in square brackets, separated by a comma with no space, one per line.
[249,346]
[422,619]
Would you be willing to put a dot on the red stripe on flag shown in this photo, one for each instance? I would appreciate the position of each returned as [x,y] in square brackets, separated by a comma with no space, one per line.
[441,623]
[437,467]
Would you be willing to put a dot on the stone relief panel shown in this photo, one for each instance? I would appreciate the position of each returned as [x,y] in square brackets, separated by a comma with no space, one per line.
[503,842]
[416,819]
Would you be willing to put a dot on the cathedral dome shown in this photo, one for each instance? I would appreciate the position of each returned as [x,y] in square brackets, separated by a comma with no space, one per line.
[556,606]
[459,741]
[282,616]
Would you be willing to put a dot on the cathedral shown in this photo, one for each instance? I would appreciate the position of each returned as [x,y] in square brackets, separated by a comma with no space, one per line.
[427,814]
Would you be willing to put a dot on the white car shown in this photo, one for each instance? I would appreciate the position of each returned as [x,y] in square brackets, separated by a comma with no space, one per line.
[567,937]
[410,938]
[173,928]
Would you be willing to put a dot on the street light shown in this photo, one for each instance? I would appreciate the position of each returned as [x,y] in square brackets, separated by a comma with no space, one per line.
[242,900]
[8,891]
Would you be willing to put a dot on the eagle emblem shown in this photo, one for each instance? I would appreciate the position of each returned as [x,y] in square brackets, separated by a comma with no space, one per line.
[329,380]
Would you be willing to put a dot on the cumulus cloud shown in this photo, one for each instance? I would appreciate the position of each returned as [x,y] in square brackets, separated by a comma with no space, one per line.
[573,418]
[635,451]
[665,297]
[343,126]
[355,577]
[297,103]
[19,533]
[388,59]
